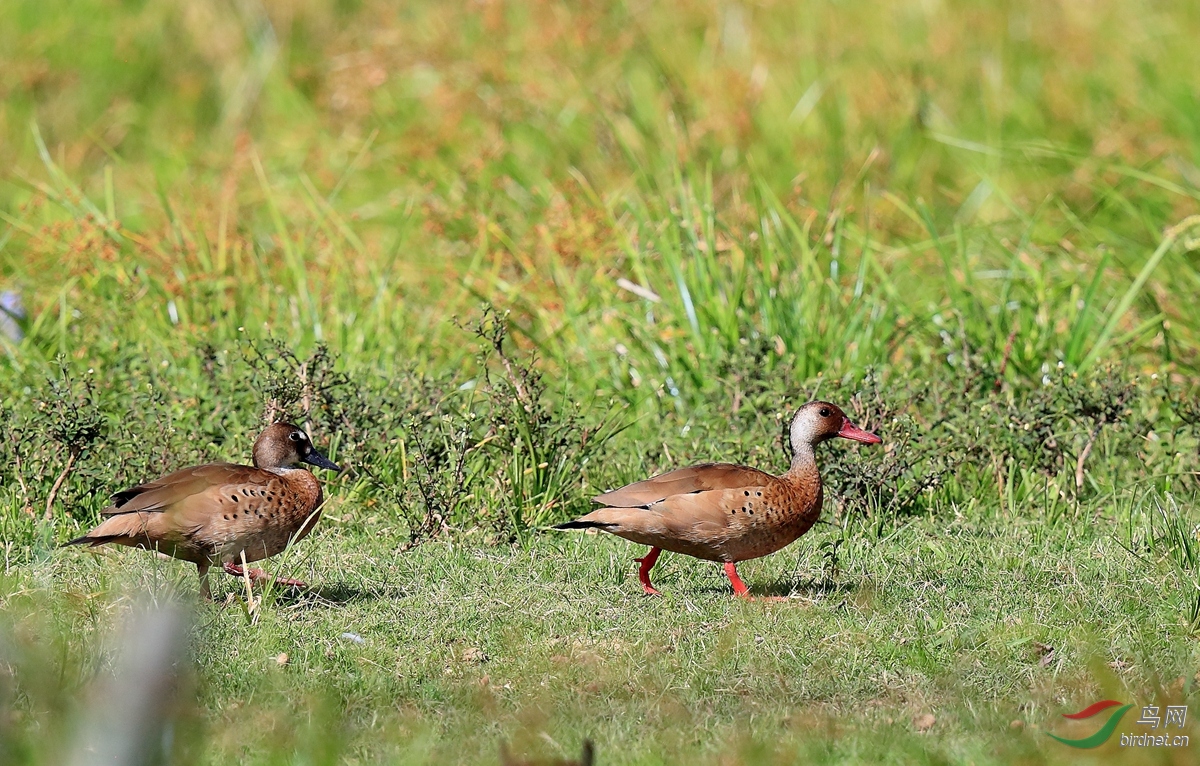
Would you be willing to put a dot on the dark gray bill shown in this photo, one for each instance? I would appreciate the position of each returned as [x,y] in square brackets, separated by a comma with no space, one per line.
[320,461]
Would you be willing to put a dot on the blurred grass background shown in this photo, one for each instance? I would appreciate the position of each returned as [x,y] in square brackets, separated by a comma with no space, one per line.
[358,155]
[698,214]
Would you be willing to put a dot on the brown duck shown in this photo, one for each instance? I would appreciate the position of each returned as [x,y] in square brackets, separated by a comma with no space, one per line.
[217,513]
[722,512]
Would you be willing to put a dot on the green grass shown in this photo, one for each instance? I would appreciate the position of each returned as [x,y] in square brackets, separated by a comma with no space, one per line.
[464,647]
[970,226]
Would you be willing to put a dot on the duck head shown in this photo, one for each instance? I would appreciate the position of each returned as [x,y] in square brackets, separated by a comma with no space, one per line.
[817,421]
[284,445]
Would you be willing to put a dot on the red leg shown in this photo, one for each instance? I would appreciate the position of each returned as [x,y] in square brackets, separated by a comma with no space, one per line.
[739,587]
[647,563]
[257,575]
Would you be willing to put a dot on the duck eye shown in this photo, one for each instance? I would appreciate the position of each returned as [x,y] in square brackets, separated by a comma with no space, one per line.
[825,412]
[294,436]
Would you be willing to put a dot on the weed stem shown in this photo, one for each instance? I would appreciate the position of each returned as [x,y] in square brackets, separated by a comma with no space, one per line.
[72,456]
[1083,456]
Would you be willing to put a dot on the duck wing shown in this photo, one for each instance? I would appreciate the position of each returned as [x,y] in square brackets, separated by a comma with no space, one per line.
[169,490]
[706,477]
[203,505]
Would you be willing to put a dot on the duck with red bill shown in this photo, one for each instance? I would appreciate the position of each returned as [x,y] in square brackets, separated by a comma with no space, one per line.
[723,512]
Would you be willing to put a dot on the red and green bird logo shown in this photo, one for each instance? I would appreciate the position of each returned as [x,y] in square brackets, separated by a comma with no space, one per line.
[1101,736]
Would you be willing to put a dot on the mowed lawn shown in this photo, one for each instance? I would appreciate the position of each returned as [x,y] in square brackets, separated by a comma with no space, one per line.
[497,257]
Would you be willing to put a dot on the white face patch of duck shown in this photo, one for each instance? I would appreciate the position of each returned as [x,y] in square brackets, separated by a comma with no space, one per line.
[812,424]
[818,421]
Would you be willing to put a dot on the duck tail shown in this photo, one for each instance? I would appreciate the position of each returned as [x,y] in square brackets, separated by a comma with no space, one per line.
[584,524]
[123,530]
[92,539]
[86,540]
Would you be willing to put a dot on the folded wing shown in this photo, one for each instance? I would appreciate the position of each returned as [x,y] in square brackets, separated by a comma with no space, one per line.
[697,478]
[207,505]
[163,493]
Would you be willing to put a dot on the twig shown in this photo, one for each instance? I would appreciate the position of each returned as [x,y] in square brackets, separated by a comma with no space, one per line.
[306,395]
[1083,456]
[439,503]
[495,337]
[638,290]
[271,409]
[522,394]
[250,605]
[1000,481]
[27,507]
[72,456]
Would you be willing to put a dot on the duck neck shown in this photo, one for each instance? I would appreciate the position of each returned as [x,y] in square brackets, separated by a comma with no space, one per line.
[804,462]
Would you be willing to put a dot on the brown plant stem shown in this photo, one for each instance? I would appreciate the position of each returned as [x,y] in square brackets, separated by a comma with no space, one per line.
[27,506]
[251,604]
[271,410]
[522,394]
[1083,456]
[72,456]
[306,395]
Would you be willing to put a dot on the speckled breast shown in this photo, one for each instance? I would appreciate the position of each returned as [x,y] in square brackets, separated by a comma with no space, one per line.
[290,511]
[785,512]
